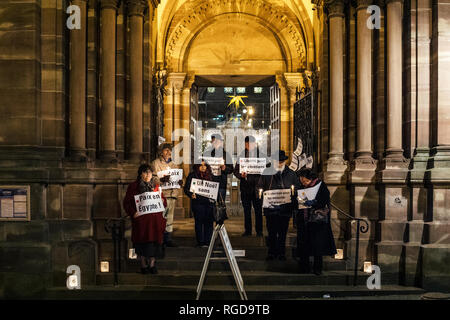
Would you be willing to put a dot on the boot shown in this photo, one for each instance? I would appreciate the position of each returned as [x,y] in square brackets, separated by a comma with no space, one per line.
[170,242]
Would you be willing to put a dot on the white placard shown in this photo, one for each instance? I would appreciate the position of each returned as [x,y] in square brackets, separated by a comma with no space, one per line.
[309,193]
[276,197]
[252,165]
[208,189]
[148,202]
[215,164]
[175,176]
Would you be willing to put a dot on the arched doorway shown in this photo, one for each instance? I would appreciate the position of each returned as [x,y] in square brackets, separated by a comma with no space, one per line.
[230,40]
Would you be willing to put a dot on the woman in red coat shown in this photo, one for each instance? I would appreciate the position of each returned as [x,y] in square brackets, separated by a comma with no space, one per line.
[148,229]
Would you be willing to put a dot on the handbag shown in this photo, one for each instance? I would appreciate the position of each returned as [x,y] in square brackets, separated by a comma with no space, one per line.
[220,211]
[319,215]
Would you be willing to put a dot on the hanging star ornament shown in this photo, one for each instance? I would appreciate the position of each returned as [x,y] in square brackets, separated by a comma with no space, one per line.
[237,100]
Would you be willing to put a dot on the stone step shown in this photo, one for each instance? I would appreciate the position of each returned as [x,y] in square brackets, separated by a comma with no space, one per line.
[245,264]
[254,292]
[187,240]
[257,253]
[171,278]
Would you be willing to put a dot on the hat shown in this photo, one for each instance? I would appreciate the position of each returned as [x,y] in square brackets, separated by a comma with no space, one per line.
[250,139]
[281,156]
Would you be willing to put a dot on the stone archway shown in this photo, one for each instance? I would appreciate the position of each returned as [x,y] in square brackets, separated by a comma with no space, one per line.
[243,37]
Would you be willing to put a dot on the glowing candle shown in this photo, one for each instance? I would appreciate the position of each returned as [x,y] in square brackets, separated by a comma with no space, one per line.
[260,193]
[292,189]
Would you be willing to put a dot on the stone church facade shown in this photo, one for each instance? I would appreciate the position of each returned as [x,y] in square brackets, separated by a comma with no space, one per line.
[82,108]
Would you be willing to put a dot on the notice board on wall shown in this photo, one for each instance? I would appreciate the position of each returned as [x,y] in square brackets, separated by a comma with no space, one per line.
[14,203]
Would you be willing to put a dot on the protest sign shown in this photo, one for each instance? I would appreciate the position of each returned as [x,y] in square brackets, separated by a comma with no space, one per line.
[309,193]
[148,202]
[215,164]
[252,165]
[204,188]
[276,197]
[175,176]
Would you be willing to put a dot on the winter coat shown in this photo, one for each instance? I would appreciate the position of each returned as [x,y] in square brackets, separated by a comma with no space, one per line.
[316,238]
[161,165]
[149,227]
[273,180]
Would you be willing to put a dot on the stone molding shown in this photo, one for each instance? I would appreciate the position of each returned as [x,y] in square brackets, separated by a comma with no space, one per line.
[136,7]
[363,4]
[335,8]
[109,4]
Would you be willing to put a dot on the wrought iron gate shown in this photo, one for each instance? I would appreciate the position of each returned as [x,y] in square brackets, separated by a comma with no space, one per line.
[305,122]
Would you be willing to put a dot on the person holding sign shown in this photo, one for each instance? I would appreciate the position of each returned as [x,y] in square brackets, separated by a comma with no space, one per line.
[145,204]
[253,164]
[277,186]
[220,171]
[165,168]
[202,206]
[314,234]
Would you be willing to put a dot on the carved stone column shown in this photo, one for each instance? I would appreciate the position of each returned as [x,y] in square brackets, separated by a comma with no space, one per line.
[78,86]
[336,165]
[108,79]
[136,15]
[284,115]
[364,165]
[293,81]
[172,104]
[394,159]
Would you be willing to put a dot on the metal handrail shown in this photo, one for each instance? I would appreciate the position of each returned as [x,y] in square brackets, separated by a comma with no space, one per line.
[116,226]
[359,228]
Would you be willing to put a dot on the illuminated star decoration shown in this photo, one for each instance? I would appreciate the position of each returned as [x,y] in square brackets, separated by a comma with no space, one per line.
[236,100]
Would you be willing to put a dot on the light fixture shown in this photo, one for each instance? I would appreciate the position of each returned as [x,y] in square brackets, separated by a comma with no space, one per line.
[339,255]
[104,266]
[367,267]
[244,111]
[251,111]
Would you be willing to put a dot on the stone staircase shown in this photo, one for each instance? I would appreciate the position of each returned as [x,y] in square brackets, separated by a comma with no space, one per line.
[179,273]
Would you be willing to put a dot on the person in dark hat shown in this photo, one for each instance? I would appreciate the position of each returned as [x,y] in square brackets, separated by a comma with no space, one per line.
[248,184]
[220,173]
[278,177]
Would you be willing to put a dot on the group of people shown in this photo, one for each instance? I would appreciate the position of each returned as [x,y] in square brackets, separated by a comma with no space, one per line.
[152,232]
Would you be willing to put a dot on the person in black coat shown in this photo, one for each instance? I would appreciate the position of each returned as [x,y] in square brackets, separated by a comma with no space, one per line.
[278,176]
[314,238]
[202,207]
[217,151]
[248,184]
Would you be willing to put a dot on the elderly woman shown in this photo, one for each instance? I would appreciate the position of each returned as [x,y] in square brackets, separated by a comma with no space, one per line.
[148,229]
[314,234]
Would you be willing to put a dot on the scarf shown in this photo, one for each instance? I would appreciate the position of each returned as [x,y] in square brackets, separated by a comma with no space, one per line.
[146,187]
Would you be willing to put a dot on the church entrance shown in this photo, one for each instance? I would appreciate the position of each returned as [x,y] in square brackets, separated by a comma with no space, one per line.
[234,106]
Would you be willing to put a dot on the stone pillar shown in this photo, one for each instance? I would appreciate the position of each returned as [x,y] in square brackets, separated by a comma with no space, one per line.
[185,124]
[394,193]
[336,165]
[78,86]
[172,104]
[108,79]
[136,15]
[284,115]
[364,165]
[394,151]
[293,81]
